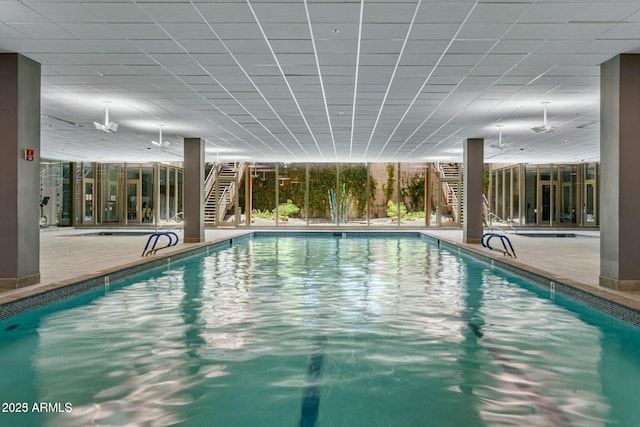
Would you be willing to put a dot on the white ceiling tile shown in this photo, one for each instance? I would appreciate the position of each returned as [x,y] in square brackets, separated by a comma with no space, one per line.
[389,12]
[334,12]
[187,31]
[45,31]
[549,12]
[507,57]
[433,31]
[62,12]
[444,12]
[171,12]
[603,12]
[11,12]
[280,12]
[581,31]
[494,13]
[624,31]
[394,31]
[532,31]
[109,12]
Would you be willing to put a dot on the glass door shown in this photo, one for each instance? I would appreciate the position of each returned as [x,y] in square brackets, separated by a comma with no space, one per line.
[87,206]
[110,193]
[546,202]
[590,202]
[568,195]
[133,202]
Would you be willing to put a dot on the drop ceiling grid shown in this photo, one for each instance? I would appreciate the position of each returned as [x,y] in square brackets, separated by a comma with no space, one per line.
[552,52]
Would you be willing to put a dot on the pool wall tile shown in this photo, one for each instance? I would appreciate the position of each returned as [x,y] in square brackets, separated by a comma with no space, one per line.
[614,309]
[611,308]
[64,292]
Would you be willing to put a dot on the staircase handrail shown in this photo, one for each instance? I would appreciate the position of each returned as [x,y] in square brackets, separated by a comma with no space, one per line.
[450,194]
[173,223]
[211,178]
[501,223]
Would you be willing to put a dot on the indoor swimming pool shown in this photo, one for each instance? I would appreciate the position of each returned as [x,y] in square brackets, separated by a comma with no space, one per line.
[320,330]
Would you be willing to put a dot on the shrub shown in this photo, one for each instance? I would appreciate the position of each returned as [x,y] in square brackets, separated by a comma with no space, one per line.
[266,214]
[392,209]
[288,209]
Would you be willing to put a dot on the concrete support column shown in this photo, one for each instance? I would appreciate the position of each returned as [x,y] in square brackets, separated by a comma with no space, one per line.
[620,173]
[473,189]
[193,202]
[19,171]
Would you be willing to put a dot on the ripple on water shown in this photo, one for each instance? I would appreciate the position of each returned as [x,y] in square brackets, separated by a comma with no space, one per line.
[402,330]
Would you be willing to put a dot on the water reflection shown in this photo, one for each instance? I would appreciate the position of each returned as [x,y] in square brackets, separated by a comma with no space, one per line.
[365,331]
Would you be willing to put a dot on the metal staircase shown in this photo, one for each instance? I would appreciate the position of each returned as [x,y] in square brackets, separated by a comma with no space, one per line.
[450,175]
[220,190]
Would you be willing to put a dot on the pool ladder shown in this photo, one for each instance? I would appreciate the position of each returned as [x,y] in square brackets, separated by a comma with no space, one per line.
[173,240]
[507,247]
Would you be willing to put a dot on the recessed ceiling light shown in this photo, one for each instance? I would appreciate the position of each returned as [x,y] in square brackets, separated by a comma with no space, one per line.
[335,31]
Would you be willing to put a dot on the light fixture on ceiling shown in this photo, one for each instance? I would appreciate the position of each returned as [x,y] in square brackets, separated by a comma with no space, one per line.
[160,143]
[546,127]
[499,145]
[108,127]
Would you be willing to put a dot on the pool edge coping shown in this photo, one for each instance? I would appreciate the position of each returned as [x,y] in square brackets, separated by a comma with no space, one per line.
[103,277]
[35,296]
[548,279]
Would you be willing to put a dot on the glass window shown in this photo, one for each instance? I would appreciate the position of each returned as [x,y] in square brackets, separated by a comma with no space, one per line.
[163,193]
[87,170]
[323,197]
[590,195]
[110,193]
[180,191]
[434,193]
[500,194]
[515,216]
[147,214]
[412,191]
[263,197]
[67,200]
[507,194]
[291,193]
[382,204]
[530,191]
[353,182]
[568,194]
[133,171]
[88,202]
[172,192]
[50,192]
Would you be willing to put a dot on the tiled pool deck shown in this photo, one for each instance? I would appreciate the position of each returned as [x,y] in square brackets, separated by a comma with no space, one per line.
[69,256]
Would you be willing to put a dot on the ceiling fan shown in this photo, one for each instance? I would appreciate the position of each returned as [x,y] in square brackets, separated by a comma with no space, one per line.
[546,127]
[107,126]
[499,145]
[160,143]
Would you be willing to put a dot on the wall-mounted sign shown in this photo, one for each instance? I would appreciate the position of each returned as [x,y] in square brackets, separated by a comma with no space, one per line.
[29,154]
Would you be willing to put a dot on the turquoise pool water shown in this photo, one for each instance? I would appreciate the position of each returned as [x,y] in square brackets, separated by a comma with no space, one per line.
[322,331]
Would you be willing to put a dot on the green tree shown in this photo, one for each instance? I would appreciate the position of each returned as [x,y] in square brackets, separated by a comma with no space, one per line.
[414,193]
[387,188]
[355,180]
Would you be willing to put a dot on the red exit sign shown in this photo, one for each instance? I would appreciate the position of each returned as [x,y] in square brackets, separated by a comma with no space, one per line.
[29,154]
